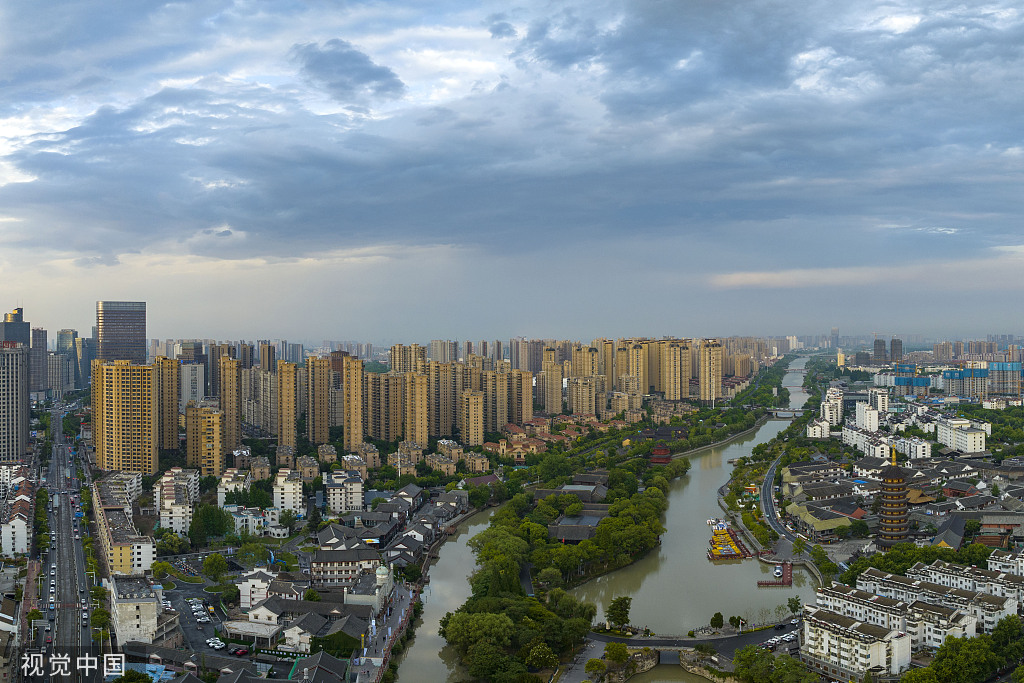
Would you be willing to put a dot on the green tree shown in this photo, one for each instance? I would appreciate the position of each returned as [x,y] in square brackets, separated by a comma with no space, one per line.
[859,528]
[100,618]
[1008,639]
[842,531]
[98,593]
[965,660]
[616,653]
[717,620]
[550,577]
[311,595]
[618,610]
[215,566]
[541,657]
[790,670]
[923,675]
[794,604]
[971,528]
[288,520]
[161,569]
[33,616]
[596,668]
[753,664]
[133,676]
[1018,675]
[251,554]
[463,629]
[799,546]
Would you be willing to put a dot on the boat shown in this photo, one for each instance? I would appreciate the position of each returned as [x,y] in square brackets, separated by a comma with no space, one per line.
[778,571]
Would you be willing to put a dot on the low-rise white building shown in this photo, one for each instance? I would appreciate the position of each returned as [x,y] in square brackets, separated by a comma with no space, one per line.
[841,647]
[914,447]
[255,521]
[288,491]
[871,444]
[233,479]
[961,435]
[818,429]
[136,613]
[344,492]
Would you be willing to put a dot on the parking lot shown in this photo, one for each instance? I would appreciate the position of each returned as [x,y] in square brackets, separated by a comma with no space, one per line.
[196,632]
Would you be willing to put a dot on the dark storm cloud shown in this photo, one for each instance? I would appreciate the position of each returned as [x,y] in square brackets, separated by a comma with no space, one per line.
[345,72]
[718,136]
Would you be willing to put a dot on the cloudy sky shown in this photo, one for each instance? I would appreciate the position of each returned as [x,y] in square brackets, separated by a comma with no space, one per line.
[409,170]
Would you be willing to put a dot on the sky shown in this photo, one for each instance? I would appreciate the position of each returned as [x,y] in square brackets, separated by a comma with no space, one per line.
[410,170]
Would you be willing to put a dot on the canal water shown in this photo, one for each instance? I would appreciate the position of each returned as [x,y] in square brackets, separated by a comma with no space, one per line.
[674,588]
[429,658]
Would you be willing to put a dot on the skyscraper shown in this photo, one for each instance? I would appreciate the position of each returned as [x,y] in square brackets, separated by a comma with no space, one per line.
[204,446]
[710,375]
[318,400]
[896,350]
[124,401]
[168,380]
[121,331]
[878,355]
[67,345]
[14,404]
[353,427]
[231,401]
[287,404]
[15,329]
[37,365]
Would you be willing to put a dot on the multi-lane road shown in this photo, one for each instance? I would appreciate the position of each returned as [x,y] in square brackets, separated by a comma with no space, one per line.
[64,560]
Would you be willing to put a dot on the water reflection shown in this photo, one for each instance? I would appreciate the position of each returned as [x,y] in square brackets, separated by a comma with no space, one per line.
[674,587]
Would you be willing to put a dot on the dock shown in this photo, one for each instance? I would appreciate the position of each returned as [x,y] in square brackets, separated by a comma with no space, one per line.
[786,580]
[726,544]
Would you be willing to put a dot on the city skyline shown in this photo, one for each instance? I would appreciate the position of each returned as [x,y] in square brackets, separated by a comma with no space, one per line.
[387,171]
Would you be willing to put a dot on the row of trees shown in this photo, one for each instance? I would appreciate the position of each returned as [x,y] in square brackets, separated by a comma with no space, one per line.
[902,557]
[976,659]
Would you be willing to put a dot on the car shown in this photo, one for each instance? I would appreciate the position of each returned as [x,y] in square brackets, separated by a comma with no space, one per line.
[795,622]
[48,627]
[49,639]
[779,627]
[241,652]
[53,590]
[219,646]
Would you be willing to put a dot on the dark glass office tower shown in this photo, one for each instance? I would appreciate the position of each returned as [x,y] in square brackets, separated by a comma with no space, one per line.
[121,331]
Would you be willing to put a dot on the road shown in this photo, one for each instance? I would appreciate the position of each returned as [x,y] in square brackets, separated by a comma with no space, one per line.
[64,561]
[768,504]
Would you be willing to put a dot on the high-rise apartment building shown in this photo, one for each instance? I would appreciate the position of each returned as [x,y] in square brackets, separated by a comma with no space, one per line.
[408,358]
[637,360]
[121,331]
[204,439]
[552,370]
[417,422]
[124,400]
[675,369]
[353,410]
[710,371]
[216,351]
[318,400]
[268,356]
[382,405]
[14,400]
[471,427]
[192,383]
[246,353]
[38,367]
[520,392]
[896,350]
[230,396]
[288,404]
[168,377]
[441,398]
[60,374]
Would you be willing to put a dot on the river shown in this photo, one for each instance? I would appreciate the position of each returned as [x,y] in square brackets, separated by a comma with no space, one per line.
[674,588]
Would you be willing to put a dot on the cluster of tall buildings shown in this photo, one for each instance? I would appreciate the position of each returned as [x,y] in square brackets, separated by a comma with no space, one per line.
[146,392]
